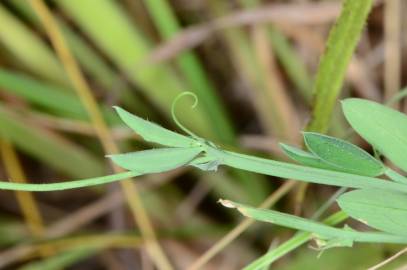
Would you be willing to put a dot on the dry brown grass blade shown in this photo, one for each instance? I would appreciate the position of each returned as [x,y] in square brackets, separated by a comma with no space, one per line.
[26,200]
[30,251]
[60,124]
[84,216]
[84,92]
[359,71]
[273,96]
[392,258]
[392,49]
[192,36]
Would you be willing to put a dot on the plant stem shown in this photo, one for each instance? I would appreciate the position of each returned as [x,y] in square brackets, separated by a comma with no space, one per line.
[302,173]
[69,184]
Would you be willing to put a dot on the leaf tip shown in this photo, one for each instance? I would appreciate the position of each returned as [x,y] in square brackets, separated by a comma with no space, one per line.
[283,145]
[227,203]
[116,108]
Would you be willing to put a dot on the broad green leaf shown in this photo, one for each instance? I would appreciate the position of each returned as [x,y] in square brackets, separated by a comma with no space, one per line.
[382,127]
[156,160]
[382,210]
[342,154]
[152,132]
[306,158]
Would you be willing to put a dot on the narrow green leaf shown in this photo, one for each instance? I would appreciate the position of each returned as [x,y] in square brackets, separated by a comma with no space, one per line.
[58,100]
[302,173]
[283,219]
[331,71]
[343,154]
[383,210]
[382,127]
[306,158]
[12,232]
[320,231]
[291,61]
[156,160]
[91,61]
[152,132]
[46,146]
[395,176]
[127,46]
[296,241]
[29,49]
[60,261]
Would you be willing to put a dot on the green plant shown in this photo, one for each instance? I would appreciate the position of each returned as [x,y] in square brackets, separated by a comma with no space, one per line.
[119,71]
[330,161]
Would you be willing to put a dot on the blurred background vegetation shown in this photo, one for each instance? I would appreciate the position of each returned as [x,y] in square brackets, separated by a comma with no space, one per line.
[252,63]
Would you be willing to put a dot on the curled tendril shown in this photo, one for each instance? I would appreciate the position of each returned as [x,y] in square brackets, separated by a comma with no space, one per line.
[174,116]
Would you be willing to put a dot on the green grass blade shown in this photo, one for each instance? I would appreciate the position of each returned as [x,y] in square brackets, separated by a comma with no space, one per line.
[29,49]
[52,97]
[292,64]
[12,232]
[189,64]
[381,126]
[383,210]
[88,58]
[340,46]
[48,147]
[59,261]
[129,49]
[343,154]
